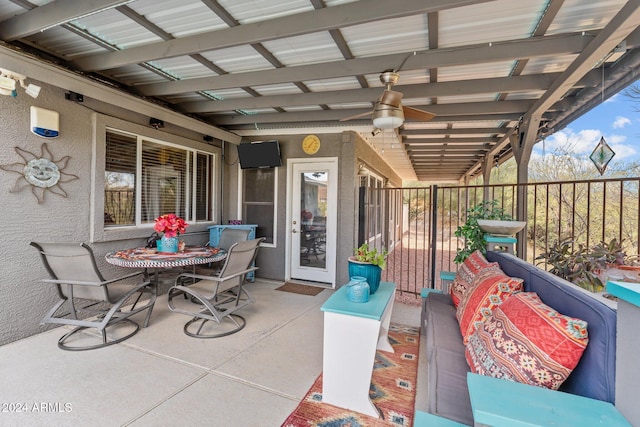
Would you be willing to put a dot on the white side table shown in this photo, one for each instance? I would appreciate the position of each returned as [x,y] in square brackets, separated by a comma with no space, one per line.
[352,333]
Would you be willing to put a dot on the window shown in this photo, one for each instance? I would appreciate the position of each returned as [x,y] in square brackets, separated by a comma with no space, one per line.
[258,201]
[146,178]
[373,205]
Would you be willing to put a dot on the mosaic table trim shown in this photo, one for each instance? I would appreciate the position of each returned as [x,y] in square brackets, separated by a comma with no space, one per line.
[145,258]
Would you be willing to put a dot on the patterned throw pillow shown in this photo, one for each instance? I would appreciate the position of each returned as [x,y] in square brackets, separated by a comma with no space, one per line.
[490,290]
[467,272]
[527,341]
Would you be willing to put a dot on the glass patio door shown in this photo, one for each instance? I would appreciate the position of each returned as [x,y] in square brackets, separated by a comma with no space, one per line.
[313,221]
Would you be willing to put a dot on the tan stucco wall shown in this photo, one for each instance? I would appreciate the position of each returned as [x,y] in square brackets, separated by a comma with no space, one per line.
[22,219]
[77,217]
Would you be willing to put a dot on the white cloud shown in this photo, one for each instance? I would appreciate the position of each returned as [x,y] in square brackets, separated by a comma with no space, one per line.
[584,141]
[614,98]
[621,122]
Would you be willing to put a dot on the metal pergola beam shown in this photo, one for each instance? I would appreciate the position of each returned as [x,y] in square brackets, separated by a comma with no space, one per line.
[417,142]
[312,21]
[464,55]
[410,133]
[453,88]
[49,15]
[463,109]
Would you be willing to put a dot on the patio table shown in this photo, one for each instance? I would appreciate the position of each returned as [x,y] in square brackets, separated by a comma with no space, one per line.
[150,258]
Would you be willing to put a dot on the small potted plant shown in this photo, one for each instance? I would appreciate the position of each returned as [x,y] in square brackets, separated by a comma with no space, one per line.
[368,263]
[171,226]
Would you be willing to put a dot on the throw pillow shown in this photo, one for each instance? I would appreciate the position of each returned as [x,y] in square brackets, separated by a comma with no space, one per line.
[489,291]
[466,275]
[527,341]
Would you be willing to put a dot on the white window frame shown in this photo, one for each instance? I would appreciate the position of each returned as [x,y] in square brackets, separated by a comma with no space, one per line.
[101,124]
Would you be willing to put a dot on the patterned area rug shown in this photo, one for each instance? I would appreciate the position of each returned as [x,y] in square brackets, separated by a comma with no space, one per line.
[392,389]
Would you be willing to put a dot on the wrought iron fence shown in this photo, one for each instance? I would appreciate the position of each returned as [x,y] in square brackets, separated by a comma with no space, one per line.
[417,225]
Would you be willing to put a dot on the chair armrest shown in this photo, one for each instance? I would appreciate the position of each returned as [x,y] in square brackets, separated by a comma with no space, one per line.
[82,283]
[72,282]
[126,276]
[216,278]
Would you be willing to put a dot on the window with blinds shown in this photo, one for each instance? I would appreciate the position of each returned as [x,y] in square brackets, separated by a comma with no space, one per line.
[145,179]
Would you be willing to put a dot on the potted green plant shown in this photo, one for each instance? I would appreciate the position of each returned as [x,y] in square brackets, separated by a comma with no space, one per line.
[590,268]
[614,263]
[574,264]
[368,263]
[472,233]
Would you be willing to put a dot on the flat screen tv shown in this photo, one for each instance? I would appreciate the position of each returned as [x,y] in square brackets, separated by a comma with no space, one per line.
[259,154]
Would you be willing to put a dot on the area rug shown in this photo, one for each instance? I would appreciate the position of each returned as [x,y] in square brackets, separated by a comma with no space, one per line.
[393,388]
[296,288]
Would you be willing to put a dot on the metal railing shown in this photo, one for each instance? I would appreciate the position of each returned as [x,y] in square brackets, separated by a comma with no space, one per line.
[417,225]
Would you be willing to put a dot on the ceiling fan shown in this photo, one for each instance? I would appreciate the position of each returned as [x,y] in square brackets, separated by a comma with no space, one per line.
[388,111]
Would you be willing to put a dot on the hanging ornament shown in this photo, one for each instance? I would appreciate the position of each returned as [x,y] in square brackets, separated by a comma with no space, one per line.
[602,155]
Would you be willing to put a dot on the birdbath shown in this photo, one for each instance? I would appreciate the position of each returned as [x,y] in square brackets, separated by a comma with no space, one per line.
[499,234]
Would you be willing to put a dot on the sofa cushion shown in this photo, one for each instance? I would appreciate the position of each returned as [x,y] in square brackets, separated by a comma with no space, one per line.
[594,377]
[476,305]
[447,386]
[443,330]
[442,325]
[527,341]
[467,272]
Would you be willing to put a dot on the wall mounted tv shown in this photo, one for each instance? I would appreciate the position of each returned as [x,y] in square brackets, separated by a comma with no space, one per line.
[259,154]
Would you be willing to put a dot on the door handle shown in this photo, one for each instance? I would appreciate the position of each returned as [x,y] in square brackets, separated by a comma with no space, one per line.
[294,231]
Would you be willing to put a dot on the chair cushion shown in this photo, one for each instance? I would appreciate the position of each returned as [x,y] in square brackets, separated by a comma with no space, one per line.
[476,305]
[527,341]
[467,272]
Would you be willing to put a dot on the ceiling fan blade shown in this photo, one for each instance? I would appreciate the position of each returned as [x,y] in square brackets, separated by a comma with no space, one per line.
[357,116]
[391,97]
[416,114]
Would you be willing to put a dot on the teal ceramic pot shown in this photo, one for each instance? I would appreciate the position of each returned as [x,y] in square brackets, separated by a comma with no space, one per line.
[167,244]
[370,272]
[358,289]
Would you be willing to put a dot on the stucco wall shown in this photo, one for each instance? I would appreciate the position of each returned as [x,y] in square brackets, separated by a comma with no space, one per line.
[76,218]
[24,299]
[271,259]
[351,150]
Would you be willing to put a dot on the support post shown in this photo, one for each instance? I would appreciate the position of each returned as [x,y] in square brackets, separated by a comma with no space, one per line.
[522,144]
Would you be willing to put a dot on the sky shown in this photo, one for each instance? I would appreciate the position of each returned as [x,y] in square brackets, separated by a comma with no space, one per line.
[616,120]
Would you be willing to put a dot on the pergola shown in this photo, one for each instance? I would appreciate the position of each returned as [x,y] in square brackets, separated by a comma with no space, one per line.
[498,75]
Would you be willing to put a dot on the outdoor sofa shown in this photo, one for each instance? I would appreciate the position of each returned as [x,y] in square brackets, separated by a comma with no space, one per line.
[593,377]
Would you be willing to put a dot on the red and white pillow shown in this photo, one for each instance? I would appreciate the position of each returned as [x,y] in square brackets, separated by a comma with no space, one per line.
[489,290]
[527,341]
[473,266]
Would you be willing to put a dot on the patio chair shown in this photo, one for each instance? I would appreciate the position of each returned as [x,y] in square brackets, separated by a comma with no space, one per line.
[88,300]
[217,298]
[228,237]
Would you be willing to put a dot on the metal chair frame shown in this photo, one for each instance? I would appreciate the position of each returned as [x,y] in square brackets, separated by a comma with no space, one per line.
[220,296]
[96,289]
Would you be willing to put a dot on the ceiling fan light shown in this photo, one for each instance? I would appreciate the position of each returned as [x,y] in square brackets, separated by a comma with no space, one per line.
[388,119]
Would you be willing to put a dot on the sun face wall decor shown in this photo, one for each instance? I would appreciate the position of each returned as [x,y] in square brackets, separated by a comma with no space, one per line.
[42,172]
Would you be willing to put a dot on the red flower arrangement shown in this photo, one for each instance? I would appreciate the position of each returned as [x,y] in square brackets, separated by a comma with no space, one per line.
[170,224]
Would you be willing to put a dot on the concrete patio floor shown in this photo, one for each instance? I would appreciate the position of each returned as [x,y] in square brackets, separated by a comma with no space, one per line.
[161,377]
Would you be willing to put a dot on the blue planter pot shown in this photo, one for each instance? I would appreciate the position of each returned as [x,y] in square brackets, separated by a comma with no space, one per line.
[369,271]
[167,244]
